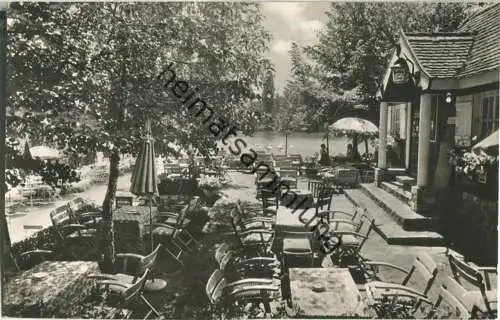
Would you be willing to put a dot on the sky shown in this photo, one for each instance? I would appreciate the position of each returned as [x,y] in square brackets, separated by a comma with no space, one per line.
[291,22]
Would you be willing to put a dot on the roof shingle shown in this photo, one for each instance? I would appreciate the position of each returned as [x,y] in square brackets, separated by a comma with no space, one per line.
[474,48]
[441,54]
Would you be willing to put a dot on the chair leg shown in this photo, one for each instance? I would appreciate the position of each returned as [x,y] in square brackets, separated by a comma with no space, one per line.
[146,302]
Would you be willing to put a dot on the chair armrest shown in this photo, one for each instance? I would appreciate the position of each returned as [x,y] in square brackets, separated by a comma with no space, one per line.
[331,213]
[36,251]
[111,282]
[74,226]
[411,295]
[488,269]
[259,219]
[247,232]
[104,276]
[385,264]
[258,260]
[337,233]
[393,286]
[130,255]
[250,282]
[255,287]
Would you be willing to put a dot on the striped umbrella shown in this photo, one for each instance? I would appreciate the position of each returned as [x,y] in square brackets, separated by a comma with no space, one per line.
[143,181]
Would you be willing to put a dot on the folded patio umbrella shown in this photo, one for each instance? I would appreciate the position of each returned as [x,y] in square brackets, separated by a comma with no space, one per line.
[143,181]
[489,145]
[26,152]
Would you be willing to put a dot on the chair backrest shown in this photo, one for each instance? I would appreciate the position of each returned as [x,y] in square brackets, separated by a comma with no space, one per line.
[453,294]
[279,157]
[462,270]
[270,199]
[324,197]
[29,259]
[135,289]
[315,186]
[221,251]
[427,269]
[295,157]
[284,173]
[61,216]
[284,164]
[149,260]
[215,287]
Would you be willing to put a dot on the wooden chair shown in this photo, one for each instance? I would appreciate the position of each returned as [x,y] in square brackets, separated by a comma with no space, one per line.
[255,211]
[257,241]
[121,294]
[325,196]
[72,233]
[180,221]
[231,261]
[332,215]
[297,245]
[352,237]
[241,224]
[270,201]
[168,236]
[452,293]
[253,291]
[285,164]
[84,211]
[315,186]
[29,259]
[482,295]
[383,295]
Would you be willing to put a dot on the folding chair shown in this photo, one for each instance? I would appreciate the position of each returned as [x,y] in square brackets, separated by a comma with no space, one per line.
[254,291]
[168,236]
[351,238]
[325,196]
[231,262]
[383,296]
[452,293]
[84,211]
[482,295]
[121,294]
[73,233]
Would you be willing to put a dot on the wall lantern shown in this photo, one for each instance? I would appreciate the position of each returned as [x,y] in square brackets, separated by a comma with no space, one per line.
[449,97]
[400,73]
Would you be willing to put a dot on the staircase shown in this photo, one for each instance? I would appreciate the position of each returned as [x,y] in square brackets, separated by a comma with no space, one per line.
[395,221]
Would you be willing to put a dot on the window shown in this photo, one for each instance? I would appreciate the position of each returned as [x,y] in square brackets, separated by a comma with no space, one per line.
[434,118]
[395,120]
[489,115]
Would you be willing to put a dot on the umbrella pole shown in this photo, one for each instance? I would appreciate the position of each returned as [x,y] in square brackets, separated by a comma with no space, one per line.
[151,221]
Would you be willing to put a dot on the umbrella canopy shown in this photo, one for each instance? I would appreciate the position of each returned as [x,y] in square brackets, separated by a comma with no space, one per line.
[354,126]
[143,181]
[488,145]
[45,153]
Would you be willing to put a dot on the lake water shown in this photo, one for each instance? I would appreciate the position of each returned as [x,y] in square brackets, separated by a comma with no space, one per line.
[302,143]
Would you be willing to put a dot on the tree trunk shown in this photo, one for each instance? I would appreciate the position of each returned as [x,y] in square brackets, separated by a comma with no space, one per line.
[8,260]
[106,240]
[355,147]
[286,144]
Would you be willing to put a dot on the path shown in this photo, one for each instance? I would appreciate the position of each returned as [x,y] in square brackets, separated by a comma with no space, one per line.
[36,218]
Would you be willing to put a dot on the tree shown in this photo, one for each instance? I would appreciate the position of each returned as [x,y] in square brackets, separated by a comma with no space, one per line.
[268,98]
[353,49]
[84,76]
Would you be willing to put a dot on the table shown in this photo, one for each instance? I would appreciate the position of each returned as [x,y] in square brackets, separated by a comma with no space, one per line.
[49,289]
[298,198]
[288,219]
[129,226]
[340,296]
[123,198]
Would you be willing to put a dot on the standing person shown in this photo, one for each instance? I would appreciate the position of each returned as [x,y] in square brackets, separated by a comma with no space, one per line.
[324,160]
[350,152]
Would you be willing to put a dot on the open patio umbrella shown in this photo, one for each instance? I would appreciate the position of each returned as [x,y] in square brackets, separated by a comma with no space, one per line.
[489,145]
[355,128]
[45,153]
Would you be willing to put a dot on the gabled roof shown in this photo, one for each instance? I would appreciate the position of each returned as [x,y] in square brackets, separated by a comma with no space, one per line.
[440,54]
[472,49]
[485,53]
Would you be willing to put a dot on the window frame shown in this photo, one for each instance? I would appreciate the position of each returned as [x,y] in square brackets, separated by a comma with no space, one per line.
[489,113]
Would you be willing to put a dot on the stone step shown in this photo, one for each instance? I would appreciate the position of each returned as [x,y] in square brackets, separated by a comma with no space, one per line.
[406,180]
[389,229]
[394,172]
[399,211]
[397,191]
